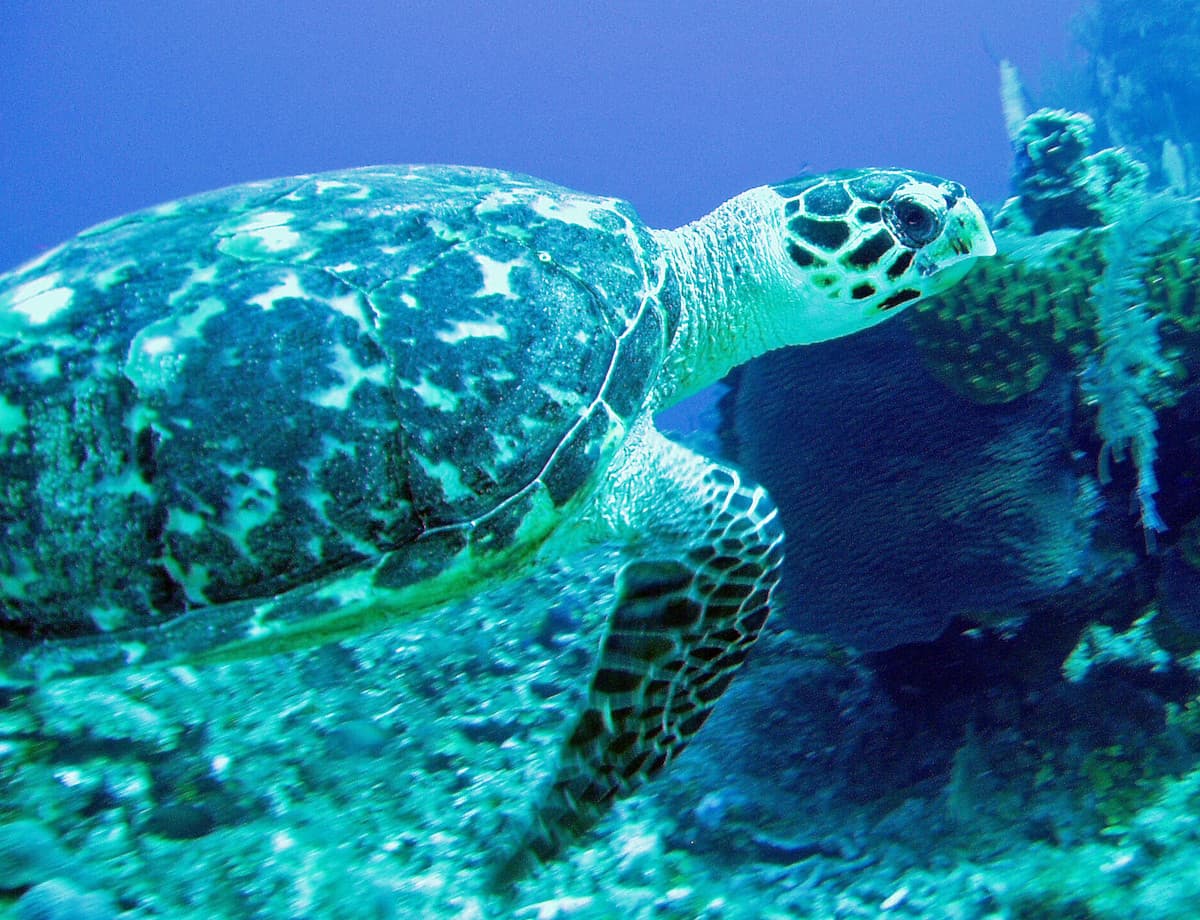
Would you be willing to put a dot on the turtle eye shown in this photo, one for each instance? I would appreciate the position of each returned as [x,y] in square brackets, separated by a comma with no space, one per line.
[914,221]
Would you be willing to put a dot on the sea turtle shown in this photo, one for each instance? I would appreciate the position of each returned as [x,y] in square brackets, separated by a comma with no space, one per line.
[291,411]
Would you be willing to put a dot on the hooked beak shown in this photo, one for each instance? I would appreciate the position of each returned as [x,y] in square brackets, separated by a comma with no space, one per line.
[968,230]
[965,238]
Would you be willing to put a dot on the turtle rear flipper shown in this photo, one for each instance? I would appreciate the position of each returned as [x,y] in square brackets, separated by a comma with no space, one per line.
[706,554]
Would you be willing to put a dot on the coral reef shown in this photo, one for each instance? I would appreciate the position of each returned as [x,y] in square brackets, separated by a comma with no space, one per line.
[29,853]
[1127,378]
[1052,735]
[1058,181]
[1096,275]
[359,782]
[57,899]
[959,783]
[1100,644]
[367,781]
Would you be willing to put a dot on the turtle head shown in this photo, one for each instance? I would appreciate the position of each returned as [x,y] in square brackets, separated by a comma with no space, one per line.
[861,245]
[812,259]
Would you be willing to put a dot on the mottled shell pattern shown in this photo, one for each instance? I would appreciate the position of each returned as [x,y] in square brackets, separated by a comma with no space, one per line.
[258,388]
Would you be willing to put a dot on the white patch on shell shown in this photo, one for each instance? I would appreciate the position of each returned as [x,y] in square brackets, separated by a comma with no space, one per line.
[39,300]
[318,499]
[142,416]
[566,398]
[569,209]
[432,395]
[152,363]
[352,374]
[351,305]
[190,325]
[185,522]
[113,275]
[166,209]
[506,448]
[447,476]
[157,344]
[252,503]
[108,619]
[315,546]
[199,276]
[134,652]
[356,190]
[14,586]
[349,590]
[497,277]
[498,200]
[154,360]
[473,329]
[289,287]
[501,376]
[126,485]
[271,230]
[533,426]
[193,580]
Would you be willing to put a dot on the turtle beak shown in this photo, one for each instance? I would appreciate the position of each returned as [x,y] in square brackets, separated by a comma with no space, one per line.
[964,238]
[968,230]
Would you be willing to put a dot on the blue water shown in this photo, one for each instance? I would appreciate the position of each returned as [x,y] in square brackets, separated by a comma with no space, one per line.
[978,695]
[111,107]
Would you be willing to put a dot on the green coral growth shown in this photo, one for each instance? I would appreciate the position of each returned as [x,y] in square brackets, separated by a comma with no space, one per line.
[1172,286]
[1121,783]
[1084,280]
[995,336]
[998,333]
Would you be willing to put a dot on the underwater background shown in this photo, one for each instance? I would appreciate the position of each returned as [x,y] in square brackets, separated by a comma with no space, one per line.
[980,694]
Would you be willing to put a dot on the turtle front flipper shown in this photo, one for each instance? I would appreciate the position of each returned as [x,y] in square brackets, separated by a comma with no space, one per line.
[705,550]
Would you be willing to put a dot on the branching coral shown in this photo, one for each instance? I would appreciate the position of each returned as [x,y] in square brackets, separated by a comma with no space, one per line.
[1130,369]
[1058,180]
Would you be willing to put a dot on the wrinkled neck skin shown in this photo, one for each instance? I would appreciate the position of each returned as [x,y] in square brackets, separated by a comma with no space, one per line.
[731,276]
